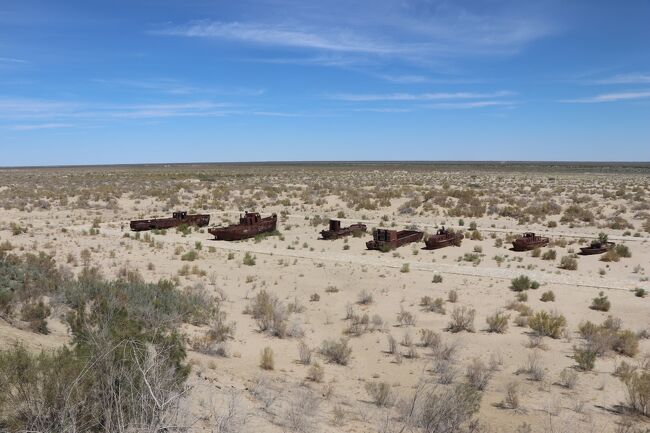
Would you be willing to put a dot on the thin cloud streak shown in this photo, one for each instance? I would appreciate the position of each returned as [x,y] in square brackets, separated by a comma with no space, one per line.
[610,97]
[636,78]
[33,127]
[417,96]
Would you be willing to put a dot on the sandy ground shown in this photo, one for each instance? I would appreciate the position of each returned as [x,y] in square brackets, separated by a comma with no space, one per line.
[300,265]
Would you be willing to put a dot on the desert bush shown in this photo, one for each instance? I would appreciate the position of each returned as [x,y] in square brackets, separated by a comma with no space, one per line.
[498,322]
[610,256]
[304,353]
[36,314]
[249,259]
[549,255]
[626,343]
[380,392]
[548,296]
[569,263]
[511,399]
[478,374]
[640,292]
[392,344]
[585,358]
[364,297]
[406,318]
[446,410]
[623,251]
[269,313]
[462,319]
[547,324]
[315,297]
[600,303]
[533,367]
[266,359]
[429,338]
[452,296]
[336,351]
[568,378]
[315,373]
[190,256]
[405,268]
[437,278]
[521,283]
[637,386]
[522,297]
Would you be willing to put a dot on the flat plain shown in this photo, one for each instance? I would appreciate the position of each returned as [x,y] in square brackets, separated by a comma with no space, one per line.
[306,334]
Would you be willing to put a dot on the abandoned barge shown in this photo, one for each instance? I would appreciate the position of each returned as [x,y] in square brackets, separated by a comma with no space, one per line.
[385,240]
[529,241]
[177,219]
[597,247]
[444,238]
[250,225]
[335,230]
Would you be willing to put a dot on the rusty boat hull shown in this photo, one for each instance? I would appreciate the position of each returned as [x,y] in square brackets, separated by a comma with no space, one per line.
[435,242]
[597,248]
[335,230]
[250,225]
[529,241]
[178,218]
[385,240]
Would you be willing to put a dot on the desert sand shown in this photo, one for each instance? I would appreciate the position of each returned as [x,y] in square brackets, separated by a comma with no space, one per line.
[65,211]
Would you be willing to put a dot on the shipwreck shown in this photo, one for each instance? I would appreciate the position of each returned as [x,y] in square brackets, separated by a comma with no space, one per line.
[529,241]
[250,225]
[385,240]
[177,219]
[335,230]
[444,238]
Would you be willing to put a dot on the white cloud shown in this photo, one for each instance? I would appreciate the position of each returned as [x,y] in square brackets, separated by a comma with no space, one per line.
[471,104]
[32,127]
[635,78]
[351,97]
[610,97]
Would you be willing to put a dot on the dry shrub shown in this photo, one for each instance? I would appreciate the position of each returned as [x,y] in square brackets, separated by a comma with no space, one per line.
[478,374]
[547,324]
[548,296]
[429,338]
[406,318]
[511,399]
[498,322]
[315,373]
[585,357]
[600,303]
[462,319]
[266,359]
[452,296]
[568,378]
[304,353]
[569,263]
[637,386]
[269,313]
[337,351]
[381,393]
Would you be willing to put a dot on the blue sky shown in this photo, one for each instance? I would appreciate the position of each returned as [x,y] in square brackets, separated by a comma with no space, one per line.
[183,81]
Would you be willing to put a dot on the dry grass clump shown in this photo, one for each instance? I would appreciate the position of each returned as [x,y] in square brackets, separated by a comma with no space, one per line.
[462,319]
[269,313]
[364,298]
[315,373]
[511,399]
[478,374]
[609,336]
[381,393]
[548,296]
[406,318]
[429,338]
[549,255]
[436,305]
[498,322]
[547,324]
[337,351]
[266,359]
[569,263]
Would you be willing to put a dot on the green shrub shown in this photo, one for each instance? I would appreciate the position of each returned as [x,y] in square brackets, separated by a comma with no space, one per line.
[249,259]
[623,251]
[548,296]
[600,303]
[585,358]
[569,263]
[520,283]
[498,322]
[549,255]
[190,256]
[640,292]
[547,324]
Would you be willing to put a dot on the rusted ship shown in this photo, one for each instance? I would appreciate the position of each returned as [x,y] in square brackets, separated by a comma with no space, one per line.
[385,240]
[177,219]
[529,241]
[597,247]
[444,238]
[250,225]
[336,231]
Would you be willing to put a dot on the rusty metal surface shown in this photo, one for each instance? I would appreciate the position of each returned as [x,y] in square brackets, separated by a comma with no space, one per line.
[178,218]
[597,247]
[444,238]
[335,230]
[385,240]
[529,241]
[250,224]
